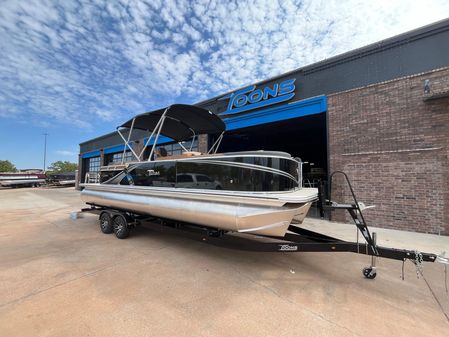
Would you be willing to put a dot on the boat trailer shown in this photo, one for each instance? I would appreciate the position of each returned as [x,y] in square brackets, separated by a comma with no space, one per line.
[296,240]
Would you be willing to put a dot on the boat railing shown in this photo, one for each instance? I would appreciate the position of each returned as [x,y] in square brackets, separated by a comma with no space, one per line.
[300,178]
[154,133]
[214,148]
[92,177]
[311,182]
[115,167]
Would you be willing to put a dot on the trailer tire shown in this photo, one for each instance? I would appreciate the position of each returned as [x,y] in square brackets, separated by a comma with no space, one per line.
[121,227]
[106,223]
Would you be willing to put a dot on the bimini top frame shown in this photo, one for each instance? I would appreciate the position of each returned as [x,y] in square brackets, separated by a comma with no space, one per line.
[178,122]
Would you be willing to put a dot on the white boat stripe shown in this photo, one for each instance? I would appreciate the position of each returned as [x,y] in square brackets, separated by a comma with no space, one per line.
[277,224]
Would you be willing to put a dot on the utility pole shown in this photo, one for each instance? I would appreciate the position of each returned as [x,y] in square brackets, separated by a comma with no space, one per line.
[45,150]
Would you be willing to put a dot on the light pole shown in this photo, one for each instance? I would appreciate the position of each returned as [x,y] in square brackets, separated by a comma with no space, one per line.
[45,150]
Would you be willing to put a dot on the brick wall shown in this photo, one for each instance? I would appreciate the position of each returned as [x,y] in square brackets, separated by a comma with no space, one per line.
[203,143]
[394,145]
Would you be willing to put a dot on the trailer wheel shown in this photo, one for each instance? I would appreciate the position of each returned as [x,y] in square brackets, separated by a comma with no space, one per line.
[121,228]
[369,272]
[106,223]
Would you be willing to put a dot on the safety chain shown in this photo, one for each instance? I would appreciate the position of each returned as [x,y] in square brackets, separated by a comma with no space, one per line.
[418,263]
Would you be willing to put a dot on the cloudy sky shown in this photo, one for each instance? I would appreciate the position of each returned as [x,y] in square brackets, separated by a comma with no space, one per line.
[77,69]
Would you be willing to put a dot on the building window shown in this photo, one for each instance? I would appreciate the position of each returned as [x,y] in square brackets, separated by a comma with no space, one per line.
[94,164]
[116,158]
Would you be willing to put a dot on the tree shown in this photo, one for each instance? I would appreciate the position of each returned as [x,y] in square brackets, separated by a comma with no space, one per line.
[7,166]
[62,166]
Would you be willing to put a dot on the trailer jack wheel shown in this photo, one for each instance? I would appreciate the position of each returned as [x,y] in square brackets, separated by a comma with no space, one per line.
[121,228]
[369,272]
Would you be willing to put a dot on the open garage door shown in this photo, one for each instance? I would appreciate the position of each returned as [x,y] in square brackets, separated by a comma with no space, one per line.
[304,137]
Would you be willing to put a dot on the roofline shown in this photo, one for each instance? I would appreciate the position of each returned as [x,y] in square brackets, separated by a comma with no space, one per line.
[372,48]
[99,137]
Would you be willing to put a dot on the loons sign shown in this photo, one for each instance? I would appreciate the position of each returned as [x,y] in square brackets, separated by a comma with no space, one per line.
[251,98]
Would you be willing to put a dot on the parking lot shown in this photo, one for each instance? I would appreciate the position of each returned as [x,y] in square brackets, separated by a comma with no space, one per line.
[63,277]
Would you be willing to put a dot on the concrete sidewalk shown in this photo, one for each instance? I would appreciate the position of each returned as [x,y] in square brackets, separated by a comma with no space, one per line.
[429,243]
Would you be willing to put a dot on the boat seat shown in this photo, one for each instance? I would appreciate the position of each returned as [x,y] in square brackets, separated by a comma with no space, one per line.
[191,153]
[185,154]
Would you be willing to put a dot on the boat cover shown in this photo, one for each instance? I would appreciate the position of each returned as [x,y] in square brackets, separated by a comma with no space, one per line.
[182,122]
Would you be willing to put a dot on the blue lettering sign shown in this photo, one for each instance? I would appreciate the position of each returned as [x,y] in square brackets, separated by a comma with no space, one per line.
[251,98]
[240,100]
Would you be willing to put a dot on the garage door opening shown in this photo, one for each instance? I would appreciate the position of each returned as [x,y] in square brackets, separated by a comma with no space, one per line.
[303,137]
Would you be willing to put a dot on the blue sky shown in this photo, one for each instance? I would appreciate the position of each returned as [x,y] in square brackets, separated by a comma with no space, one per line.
[78,69]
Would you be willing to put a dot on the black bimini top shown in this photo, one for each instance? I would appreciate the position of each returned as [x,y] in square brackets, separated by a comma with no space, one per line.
[182,121]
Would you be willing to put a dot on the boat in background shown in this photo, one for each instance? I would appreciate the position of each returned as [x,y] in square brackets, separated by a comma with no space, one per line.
[13,179]
[62,179]
[255,192]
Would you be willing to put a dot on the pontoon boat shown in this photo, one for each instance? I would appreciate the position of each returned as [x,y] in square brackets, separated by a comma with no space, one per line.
[22,179]
[256,192]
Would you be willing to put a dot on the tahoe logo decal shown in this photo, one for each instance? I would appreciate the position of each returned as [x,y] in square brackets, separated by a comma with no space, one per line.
[288,248]
[251,98]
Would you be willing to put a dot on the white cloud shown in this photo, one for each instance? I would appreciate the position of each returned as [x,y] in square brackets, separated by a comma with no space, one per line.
[84,63]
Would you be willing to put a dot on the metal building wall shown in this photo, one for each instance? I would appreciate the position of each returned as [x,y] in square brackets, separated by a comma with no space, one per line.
[417,51]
